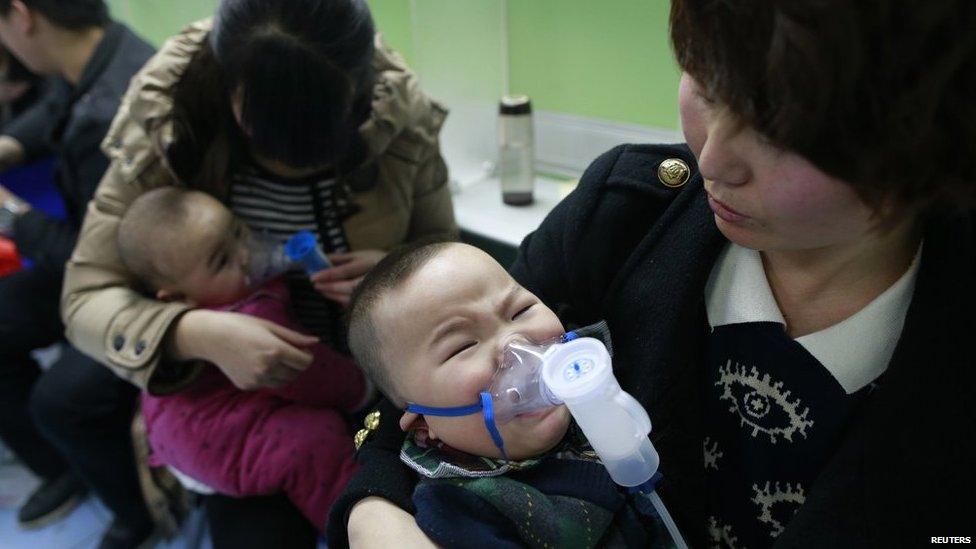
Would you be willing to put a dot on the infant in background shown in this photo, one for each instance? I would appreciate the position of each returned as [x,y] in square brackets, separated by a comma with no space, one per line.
[187,246]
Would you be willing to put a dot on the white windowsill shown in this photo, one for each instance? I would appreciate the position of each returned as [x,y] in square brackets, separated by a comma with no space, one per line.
[479,209]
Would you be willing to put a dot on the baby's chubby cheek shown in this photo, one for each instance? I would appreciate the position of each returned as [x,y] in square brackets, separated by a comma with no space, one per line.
[466,386]
[537,434]
[467,434]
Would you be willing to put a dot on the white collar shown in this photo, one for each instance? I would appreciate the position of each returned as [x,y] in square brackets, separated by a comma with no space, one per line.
[855,351]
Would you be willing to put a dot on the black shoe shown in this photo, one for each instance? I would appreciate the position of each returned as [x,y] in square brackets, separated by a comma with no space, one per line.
[54,499]
[124,536]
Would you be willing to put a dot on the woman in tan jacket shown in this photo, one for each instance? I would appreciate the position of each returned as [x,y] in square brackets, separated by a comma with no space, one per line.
[298,117]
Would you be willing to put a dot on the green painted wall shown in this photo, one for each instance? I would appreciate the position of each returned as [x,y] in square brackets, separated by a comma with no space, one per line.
[608,59]
[393,19]
[157,20]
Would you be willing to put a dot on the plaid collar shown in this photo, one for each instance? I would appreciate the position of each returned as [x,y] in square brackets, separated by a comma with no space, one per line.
[435,460]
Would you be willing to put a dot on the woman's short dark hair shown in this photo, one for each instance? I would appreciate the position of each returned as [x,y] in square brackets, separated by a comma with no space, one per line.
[68,14]
[877,93]
[302,71]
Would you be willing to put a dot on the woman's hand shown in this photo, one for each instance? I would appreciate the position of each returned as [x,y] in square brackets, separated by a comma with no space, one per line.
[252,353]
[348,270]
[376,522]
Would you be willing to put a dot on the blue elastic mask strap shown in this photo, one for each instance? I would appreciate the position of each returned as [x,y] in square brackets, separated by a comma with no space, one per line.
[444,412]
[496,437]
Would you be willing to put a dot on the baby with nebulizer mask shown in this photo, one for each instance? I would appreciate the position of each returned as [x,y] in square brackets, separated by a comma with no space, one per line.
[448,336]
[186,245]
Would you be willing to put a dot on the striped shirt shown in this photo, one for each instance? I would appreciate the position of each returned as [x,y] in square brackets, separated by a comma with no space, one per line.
[279,208]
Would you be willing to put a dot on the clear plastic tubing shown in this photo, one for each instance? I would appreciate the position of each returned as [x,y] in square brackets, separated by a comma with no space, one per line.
[669,523]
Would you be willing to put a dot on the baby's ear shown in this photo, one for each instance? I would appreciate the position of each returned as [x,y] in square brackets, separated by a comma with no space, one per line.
[170,295]
[411,421]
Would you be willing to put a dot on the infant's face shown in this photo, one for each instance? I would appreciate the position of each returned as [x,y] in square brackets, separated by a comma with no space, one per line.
[209,259]
[444,331]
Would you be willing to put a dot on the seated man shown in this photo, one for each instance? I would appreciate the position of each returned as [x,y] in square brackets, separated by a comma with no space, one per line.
[79,405]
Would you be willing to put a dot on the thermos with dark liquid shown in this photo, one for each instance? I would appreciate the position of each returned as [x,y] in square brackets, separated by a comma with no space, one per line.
[516,150]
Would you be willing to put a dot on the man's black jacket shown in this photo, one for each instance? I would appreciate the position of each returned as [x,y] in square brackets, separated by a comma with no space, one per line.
[70,122]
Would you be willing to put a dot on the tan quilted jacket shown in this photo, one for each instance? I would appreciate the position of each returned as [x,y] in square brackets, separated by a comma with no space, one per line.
[106,319]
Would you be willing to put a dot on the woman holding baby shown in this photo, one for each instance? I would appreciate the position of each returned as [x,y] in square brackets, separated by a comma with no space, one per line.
[297,117]
[789,294]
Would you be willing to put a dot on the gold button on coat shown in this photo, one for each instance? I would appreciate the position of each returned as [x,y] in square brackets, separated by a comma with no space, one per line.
[673,172]
[361,436]
[372,422]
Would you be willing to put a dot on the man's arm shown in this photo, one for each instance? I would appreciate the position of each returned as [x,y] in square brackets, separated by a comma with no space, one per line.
[46,239]
[28,136]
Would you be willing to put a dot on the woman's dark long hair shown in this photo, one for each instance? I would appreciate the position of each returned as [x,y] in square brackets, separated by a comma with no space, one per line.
[301,70]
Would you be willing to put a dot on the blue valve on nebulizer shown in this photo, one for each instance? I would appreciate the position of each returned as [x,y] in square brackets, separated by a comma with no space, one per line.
[269,258]
[303,249]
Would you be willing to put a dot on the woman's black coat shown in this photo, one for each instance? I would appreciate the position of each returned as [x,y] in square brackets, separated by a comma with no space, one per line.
[625,248]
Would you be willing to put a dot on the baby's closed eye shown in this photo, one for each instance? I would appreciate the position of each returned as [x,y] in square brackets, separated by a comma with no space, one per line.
[522,311]
[460,349]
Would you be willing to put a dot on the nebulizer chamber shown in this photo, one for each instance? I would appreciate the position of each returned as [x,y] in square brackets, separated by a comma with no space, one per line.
[578,372]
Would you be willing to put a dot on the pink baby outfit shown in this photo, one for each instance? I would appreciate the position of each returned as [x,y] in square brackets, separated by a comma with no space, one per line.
[243,443]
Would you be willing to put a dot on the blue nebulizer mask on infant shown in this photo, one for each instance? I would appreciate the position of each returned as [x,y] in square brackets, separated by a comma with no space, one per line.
[268,257]
[576,371]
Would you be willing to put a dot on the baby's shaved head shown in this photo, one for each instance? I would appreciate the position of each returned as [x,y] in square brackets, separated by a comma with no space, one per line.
[149,228]
[365,340]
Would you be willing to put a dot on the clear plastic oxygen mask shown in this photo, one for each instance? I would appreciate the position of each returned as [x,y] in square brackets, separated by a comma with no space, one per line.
[268,257]
[575,371]
[517,386]
[578,372]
